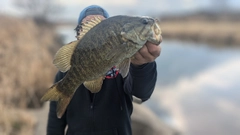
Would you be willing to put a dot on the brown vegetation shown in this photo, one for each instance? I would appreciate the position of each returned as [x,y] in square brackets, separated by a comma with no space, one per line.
[211,28]
[26,53]
[16,121]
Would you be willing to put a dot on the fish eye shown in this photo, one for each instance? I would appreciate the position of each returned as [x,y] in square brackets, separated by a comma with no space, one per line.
[145,21]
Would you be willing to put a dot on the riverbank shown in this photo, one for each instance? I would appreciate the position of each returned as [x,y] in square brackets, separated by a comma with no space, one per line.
[214,29]
[26,53]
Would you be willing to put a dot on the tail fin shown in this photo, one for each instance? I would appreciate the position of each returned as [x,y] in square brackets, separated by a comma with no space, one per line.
[53,94]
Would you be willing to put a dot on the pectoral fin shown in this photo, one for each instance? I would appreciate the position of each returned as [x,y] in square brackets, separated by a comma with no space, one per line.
[62,59]
[95,85]
[116,51]
[124,67]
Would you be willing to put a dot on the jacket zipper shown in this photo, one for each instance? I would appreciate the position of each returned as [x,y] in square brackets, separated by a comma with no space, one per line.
[92,112]
[92,102]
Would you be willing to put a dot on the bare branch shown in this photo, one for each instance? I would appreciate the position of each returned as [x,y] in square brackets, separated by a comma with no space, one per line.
[39,10]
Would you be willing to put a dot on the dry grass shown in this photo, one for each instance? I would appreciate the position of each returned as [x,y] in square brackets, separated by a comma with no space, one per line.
[16,121]
[26,53]
[220,32]
[26,61]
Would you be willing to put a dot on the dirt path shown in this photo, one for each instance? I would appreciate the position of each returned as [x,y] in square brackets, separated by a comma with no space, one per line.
[141,116]
[41,115]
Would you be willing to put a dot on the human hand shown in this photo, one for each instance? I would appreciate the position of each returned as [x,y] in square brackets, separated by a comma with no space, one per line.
[148,53]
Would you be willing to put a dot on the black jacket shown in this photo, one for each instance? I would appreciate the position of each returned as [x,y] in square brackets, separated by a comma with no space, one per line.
[108,111]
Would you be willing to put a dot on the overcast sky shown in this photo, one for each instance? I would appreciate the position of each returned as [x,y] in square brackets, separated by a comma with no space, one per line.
[71,8]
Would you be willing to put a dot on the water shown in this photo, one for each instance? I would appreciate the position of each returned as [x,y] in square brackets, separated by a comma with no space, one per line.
[197,90]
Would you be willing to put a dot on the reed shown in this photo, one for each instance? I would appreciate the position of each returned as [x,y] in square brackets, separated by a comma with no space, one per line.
[26,54]
[216,32]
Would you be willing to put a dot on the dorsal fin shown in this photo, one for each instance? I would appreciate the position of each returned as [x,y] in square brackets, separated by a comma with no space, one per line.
[86,26]
[62,59]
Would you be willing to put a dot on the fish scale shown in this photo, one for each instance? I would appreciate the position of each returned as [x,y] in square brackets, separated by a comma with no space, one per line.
[111,42]
[65,86]
[96,55]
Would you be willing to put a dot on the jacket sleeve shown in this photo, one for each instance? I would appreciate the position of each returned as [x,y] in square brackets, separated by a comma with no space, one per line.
[141,80]
[56,126]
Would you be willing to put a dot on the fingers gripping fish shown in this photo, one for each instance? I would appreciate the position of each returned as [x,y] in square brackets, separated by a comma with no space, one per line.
[102,44]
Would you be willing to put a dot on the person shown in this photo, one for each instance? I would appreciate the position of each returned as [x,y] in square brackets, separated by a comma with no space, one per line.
[107,112]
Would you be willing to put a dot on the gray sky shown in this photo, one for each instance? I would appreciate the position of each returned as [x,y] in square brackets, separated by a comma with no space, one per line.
[71,8]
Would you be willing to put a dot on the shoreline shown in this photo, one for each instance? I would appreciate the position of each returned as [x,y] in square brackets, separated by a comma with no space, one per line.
[217,30]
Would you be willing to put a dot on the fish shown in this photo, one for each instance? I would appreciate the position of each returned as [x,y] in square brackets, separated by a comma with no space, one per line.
[102,44]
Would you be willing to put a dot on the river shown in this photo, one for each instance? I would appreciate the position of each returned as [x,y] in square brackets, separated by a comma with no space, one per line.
[197,90]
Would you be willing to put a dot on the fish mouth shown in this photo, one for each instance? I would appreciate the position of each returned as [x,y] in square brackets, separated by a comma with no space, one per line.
[155,34]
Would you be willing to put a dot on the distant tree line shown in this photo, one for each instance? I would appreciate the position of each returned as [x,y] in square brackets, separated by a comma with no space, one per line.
[39,10]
